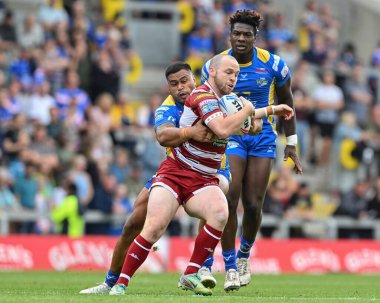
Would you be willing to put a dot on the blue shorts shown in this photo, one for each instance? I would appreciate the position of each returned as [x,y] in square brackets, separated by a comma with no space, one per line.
[224,170]
[149,183]
[262,145]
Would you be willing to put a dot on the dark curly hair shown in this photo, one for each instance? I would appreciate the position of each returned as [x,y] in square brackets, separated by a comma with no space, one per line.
[247,16]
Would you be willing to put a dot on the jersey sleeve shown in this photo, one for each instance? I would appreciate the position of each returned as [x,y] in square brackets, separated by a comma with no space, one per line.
[208,109]
[205,72]
[280,70]
[166,114]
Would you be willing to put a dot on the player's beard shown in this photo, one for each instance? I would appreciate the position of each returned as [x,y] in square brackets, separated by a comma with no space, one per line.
[222,86]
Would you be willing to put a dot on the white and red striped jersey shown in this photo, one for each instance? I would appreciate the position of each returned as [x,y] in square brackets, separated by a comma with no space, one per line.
[202,104]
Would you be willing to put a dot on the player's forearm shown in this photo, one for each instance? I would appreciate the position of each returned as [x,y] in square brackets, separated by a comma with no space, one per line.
[171,137]
[226,127]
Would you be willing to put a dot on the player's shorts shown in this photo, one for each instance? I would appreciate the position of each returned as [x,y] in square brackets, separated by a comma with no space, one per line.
[149,183]
[224,170]
[262,145]
[182,183]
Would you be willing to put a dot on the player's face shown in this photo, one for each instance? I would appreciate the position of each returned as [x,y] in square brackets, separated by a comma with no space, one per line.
[181,84]
[226,76]
[242,38]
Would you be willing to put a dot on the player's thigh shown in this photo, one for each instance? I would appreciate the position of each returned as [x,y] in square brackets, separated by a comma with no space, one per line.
[256,179]
[162,206]
[207,203]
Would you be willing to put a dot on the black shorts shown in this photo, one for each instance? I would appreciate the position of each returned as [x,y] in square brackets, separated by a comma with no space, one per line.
[326,129]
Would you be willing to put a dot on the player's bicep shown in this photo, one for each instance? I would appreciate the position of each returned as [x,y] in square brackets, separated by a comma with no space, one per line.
[160,128]
[282,73]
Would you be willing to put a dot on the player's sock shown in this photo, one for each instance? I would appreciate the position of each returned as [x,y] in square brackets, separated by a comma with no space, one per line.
[229,258]
[205,244]
[136,255]
[209,262]
[245,248]
[111,278]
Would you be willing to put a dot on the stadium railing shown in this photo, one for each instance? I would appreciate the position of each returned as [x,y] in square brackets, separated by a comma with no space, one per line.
[327,228]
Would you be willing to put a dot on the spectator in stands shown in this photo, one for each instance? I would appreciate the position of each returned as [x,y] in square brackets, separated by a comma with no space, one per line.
[120,167]
[279,34]
[30,33]
[372,209]
[328,100]
[318,54]
[8,200]
[344,166]
[42,149]
[41,104]
[309,26]
[358,95]
[16,140]
[289,52]
[8,108]
[200,41]
[353,204]
[8,31]
[81,59]
[145,114]
[67,215]
[300,205]
[105,75]
[82,180]
[72,96]
[100,114]
[53,62]
[80,20]
[55,126]
[122,204]
[303,105]
[26,186]
[102,201]
[135,181]
[51,15]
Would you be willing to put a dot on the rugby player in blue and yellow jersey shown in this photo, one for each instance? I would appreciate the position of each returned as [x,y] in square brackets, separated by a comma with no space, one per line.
[181,83]
[263,77]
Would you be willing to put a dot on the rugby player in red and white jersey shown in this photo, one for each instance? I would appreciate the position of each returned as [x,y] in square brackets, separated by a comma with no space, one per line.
[188,178]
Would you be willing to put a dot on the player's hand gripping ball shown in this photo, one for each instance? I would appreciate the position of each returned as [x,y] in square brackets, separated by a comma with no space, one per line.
[230,104]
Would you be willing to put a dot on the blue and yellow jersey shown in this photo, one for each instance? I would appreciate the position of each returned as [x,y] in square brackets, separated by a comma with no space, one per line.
[169,111]
[258,79]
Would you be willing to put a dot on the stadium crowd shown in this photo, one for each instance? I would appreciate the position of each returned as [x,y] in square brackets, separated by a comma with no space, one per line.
[67,125]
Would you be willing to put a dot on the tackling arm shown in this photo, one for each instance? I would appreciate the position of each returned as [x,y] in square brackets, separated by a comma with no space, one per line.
[170,136]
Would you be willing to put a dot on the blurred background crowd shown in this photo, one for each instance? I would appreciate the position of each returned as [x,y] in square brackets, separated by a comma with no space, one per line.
[70,125]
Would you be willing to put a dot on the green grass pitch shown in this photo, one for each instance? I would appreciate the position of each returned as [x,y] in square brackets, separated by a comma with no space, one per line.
[38,287]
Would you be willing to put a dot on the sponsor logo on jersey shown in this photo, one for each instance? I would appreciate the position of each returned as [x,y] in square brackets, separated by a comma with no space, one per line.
[158,116]
[206,95]
[243,77]
[262,82]
[261,70]
[209,106]
[164,108]
[284,71]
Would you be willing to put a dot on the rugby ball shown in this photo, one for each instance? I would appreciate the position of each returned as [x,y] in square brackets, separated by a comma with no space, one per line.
[231,104]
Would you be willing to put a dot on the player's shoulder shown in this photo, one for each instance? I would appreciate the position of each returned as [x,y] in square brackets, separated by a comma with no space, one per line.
[168,105]
[263,55]
[201,93]
[271,61]
[169,101]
